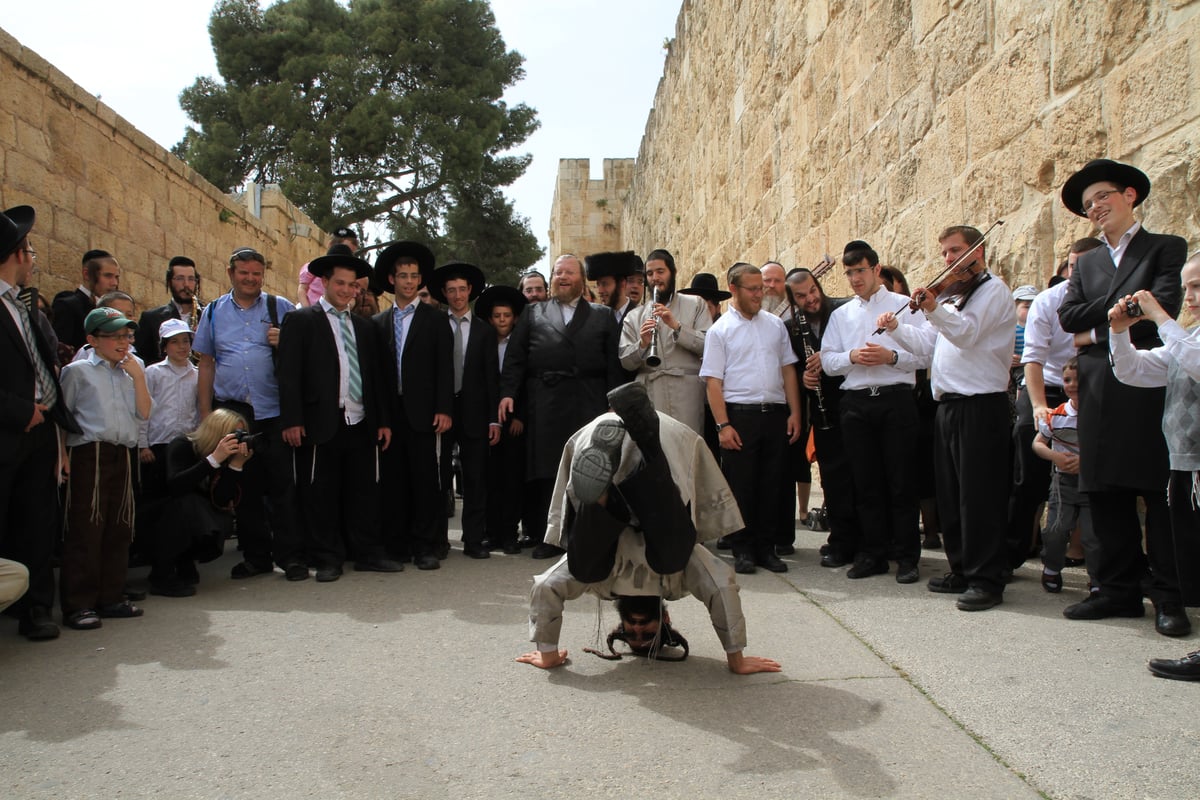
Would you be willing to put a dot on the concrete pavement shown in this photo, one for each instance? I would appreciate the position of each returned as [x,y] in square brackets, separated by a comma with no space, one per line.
[404,686]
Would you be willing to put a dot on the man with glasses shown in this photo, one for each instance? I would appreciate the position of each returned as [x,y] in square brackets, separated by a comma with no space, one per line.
[754,393]
[31,408]
[533,286]
[236,340]
[1113,415]
[183,282]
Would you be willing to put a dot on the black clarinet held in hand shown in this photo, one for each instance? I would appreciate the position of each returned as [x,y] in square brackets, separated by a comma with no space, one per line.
[801,328]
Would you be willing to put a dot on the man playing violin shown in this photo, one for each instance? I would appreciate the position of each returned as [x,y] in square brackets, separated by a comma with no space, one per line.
[971,331]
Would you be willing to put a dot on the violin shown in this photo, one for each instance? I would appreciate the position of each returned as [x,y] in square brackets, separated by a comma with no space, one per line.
[956,281]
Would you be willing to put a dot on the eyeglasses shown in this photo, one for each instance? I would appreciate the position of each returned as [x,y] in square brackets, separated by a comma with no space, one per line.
[126,337]
[1100,196]
[32,253]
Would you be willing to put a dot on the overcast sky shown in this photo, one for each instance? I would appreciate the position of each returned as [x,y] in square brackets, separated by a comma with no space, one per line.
[591,70]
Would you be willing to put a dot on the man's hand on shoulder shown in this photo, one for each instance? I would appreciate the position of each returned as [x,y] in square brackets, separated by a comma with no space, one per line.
[544,659]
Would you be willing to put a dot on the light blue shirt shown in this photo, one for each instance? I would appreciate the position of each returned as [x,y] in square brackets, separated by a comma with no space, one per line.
[102,398]
[236,338]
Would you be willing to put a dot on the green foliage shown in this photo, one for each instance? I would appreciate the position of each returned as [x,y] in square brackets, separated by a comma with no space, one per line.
[383,110]
[483,229]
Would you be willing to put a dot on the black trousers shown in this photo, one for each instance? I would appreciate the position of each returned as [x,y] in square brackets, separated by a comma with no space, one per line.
[970,446]
[410,494]
[881,431]
[29,509]
[837,481]
[1122,563]
[536,507]
[758,476]
[505,488]
[1031,475]
[266,517]
[339,496]
[1185,532]
[472,452]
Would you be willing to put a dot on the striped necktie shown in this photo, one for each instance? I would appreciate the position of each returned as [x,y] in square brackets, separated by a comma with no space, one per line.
[47,392]
[351,348]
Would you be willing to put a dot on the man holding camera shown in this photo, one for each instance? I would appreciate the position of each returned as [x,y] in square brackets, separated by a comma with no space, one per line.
[236,339]
[1122,450]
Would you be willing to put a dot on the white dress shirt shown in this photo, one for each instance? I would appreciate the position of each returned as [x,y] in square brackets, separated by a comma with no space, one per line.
[972,349]
[1046,342]
[748,355]
[354,410]
[1148,368]
[852,325]
[173,390]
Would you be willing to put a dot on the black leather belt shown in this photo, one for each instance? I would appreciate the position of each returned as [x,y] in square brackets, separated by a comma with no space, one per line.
[756,408]
[876,391]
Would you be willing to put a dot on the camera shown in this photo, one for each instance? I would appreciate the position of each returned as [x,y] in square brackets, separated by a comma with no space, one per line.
[244,436]
[1133,308]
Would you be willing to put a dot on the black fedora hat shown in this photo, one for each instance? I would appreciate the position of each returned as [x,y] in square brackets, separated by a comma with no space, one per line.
[455,269]
[612,265]
[338,256]
[1103,169]
[499,296]
[385,264]
[704,285]
[15,225]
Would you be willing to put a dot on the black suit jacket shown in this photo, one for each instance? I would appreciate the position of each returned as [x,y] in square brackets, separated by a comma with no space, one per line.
[69,310]
[309,373]
[18,384]
[1111,414]
[146,339]
[566,372]
[428,370]
[479,398]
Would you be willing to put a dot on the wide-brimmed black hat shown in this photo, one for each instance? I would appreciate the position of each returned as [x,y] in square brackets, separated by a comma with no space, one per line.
[385,265]
[1103,169]
[338,256]
[611,265]
[15,225]
[704,285]
[454,270]
[499,296]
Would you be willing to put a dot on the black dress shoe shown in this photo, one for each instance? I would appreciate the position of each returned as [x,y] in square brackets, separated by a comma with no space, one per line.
[134,594]
[296,572]
[785,549]
[950,583]
[37,625]
[724,544]
[544,550]
[1170,619]
[744,565]
[593,465]
[476,551]
[976,599]
[1097,606]
[328,574]
[427,561]
[524,542]
[378,564]
[832,560]
[443,551]
[172,588]
[510,549]
[907,573]
[772,562]
[866,567]
[931,542]
[1177,669]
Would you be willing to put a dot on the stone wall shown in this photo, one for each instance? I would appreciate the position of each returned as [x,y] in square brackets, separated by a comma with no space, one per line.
[97,182]
[586,214]
[784,129]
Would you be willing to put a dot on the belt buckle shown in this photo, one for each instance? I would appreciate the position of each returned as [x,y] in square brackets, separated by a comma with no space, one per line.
[874,390]
[764,408]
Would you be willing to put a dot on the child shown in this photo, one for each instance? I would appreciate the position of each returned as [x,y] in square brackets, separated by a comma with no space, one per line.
[121,302]
[107,394]
[1058,442]
[172,387]
[1175,365]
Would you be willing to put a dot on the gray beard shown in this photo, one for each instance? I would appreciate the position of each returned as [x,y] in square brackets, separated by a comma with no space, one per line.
[772,303]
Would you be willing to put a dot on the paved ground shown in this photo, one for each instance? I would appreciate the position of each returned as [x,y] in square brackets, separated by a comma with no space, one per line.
[404,686]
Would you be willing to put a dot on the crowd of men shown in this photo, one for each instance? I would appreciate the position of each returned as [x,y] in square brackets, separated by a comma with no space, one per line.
[363,422]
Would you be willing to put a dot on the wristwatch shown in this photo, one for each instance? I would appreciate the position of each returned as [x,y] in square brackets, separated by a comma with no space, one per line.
[895,357]
[722,426]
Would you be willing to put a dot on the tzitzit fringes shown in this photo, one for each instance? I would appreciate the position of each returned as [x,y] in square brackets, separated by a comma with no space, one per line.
[127,510]
[96,517]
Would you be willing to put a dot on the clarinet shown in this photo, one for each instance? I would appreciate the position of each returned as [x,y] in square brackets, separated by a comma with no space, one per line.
[804,331]
[652,357]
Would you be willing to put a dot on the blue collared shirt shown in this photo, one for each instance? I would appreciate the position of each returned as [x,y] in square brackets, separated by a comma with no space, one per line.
[102,398]
[236,338]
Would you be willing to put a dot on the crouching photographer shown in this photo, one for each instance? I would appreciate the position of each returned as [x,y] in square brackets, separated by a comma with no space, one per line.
[204,480]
